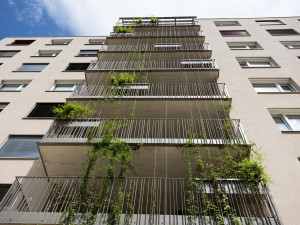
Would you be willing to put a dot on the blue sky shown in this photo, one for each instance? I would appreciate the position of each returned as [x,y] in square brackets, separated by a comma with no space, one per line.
[96,17]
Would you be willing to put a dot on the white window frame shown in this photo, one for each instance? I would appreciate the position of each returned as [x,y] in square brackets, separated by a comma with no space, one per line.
[54,53]
[227,23]
[278,86]
[55,85]
[248,62]
[247,45]
[88,54]
[269,22]
[20,88]
[101,41]
[285,119]
[289,44]
[63,41]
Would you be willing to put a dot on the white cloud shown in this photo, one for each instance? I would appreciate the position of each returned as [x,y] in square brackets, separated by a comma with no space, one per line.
[29,12]
[96,17]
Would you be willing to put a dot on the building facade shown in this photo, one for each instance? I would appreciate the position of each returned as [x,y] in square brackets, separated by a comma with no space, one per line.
[174,96]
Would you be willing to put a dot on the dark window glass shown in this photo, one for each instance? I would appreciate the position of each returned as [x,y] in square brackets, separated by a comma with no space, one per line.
[8,53]
[32,67]
[2,106]
[21,146]
[43,110]
[22,42]
[234,33]
[88,53]
[3,190]
[283,32]
[269,22]
[78,66]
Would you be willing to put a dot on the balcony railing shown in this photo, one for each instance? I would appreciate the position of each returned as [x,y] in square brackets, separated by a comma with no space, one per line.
[157,47]
[159,34]
[162,21]
[149,131]
[159,201]
[153,90]
[159,64]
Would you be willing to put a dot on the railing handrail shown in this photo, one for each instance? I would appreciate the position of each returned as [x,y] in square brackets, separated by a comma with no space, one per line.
[159,34]
[154,64]
[149,131]
[153,47]
[153,90]
[35,200]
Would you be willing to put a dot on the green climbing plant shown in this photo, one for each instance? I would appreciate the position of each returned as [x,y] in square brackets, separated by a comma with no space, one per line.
[69,111]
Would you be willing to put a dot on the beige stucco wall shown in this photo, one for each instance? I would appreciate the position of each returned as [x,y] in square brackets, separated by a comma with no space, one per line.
[12,118]
[281,149]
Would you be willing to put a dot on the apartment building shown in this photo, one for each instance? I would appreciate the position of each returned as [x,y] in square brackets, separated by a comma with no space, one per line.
[195,93]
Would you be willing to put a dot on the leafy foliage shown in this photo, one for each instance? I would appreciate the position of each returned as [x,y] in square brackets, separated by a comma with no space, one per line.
[124,29]
[122,78]
[154,20]
[72,111]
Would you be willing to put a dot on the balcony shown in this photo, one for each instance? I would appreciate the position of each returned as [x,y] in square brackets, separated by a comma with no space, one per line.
[152,37]
[64,147]
[156,51]
[175,97]
[161,21]
[160,201]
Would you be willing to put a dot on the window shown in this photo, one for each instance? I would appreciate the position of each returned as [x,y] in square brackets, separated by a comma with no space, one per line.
[43,110]
[21,146]
[234,33]
[60,41]
[63,87]
[257,62]
[77,66]
[227,23]
[33,67]
[88,53]
[8,53]
[12,87]
[269,22]
[274,87]
[167,46]
[282,32]
[48,53]
[97,42]
[22,42]
[243,45]
[291,44]
[286,122]
[2,106]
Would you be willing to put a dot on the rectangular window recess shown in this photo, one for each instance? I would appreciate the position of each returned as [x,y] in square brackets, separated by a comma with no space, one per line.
[2,106]
[291,44]
[63,87]
[257,62]
[8,53]
[226,23]
[21,146]
[48,53]
[88,53]
[12,87]
[42,110]
[60,41]
[22,42]
[32,67]
[283,32]
[269,22]
[77,66]
[243,45]
[287,122]
[234,33]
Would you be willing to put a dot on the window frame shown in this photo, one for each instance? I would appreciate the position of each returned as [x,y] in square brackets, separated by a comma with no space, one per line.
[18,70]
[231,23]
[248,61]
[66,69]
[87,55]
[289,44]
[52,89]
[16,51]
[246,44]
[67,42]
[3,103]
[286,120]
[13,43]
[234,35]
[55,53]
[95,43]
[258,22]
[278,86]
[20,88]
[296,32]
[41,117]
